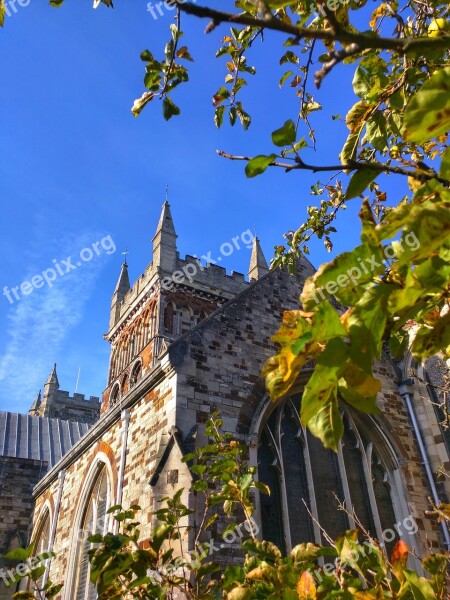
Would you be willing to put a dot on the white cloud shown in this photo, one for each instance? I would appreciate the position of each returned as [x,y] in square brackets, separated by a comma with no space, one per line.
[39,324]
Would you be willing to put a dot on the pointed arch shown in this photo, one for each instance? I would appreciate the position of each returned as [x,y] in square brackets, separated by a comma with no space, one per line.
[169,318]
[115,394]
[136,373]
[96,497]
[41,534]
[363,476]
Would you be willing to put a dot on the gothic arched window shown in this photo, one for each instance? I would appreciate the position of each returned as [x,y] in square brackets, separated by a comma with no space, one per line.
[169,318]
[42,540]
[94,520]
[310,483]
[115,395]
[136,374]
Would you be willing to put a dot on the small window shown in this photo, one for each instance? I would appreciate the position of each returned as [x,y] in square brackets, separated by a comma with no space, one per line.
[136,374]
[115,395]
[168,318]
[125,384]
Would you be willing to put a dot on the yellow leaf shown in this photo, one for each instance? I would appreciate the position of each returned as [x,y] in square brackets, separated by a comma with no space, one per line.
[380,11]
[306,590]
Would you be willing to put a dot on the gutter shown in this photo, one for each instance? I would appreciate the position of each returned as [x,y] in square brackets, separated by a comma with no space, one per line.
[123,457]
[423,453]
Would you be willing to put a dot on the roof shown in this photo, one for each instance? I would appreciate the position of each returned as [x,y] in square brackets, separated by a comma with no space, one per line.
[38,438]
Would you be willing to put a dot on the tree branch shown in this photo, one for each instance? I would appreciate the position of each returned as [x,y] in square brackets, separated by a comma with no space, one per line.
[418,174]
[336,57]
[364,41]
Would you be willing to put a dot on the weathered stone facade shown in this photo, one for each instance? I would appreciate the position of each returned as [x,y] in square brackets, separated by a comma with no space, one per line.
[183,347]
[18,477]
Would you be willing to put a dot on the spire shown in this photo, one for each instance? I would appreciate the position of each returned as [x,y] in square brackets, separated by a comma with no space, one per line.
[122,287]
[165,241]
[165,224]
[258,263]
[36,404]
[123,283]
[53,377]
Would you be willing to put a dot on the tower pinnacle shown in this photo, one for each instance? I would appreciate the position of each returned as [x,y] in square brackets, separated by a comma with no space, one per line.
[36,404]
[258,263]
[165,241]
[53,377]
[122,287]
[123,283]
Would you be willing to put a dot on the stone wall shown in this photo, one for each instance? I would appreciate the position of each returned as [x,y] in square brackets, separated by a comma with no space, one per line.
[17,479]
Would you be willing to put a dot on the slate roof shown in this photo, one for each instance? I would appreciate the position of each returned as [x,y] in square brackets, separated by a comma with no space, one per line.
[38,438]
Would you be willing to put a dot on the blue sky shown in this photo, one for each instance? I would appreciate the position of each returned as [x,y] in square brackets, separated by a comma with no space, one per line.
[75,166]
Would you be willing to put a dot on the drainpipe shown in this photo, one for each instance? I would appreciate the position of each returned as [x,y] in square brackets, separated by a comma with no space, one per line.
[423,453]
[61,477]
[123,456]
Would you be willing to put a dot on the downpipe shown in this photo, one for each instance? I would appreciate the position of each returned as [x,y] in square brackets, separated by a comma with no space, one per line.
[424,456]
[123,456]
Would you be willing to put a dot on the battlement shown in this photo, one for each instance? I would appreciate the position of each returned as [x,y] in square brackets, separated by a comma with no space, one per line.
[63,396]
[58,404]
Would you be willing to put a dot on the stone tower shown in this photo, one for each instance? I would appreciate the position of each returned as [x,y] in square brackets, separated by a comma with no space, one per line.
[57,404]
[170,298]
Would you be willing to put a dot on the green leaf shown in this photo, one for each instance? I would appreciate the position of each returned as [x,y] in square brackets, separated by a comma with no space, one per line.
[349,150]
[284,77]
[320,409]
[2,13]
[18,554]
[428,112]
[259,164]
[416,587]
[444,171]
[285,136]
[170,109]
[218,116]
[361,82]
[376,131]
[429,341]
[359,181]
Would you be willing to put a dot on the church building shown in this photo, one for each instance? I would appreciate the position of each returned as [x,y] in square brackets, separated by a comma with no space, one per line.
[188,339]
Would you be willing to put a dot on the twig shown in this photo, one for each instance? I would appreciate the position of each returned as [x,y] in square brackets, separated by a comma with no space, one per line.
[305,82]
[325,534]
[337,57]
[349,166]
